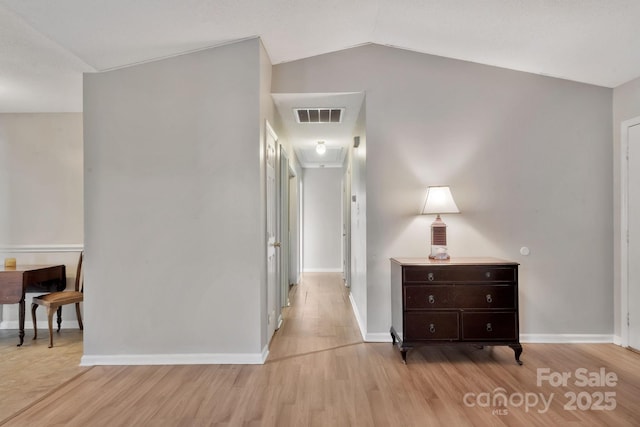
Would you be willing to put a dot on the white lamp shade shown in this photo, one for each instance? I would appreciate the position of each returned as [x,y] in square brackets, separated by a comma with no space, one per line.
[439,201]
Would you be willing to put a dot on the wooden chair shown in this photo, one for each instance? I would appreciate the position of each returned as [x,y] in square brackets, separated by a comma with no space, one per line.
[55,300]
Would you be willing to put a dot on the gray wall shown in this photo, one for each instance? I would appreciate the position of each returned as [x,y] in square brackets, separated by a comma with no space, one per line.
[322,219]
[41,218]
[41,178]
[626,105]
[528,158]
[174,198]
[266,113]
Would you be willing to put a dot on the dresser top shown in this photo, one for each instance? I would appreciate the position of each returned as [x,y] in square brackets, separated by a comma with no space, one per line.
[452,261]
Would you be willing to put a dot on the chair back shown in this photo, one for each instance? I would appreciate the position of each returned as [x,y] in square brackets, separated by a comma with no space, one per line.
[80,274]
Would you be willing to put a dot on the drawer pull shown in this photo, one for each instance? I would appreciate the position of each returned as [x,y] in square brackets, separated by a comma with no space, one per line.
[430,277]
[489,328]
[432,328]
[489,299]
[487,275]
[431,299]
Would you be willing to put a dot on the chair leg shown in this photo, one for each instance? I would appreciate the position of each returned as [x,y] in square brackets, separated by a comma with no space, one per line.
[50,312]
[79,315]
[34,307]
[59,317]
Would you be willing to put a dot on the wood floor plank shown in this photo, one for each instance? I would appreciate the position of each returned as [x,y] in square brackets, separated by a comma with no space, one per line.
[321,373]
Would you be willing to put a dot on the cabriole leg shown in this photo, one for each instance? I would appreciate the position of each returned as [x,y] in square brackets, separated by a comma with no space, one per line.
[517,349]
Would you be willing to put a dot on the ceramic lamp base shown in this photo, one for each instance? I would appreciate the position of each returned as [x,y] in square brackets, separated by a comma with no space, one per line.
[439,252]
[438,239]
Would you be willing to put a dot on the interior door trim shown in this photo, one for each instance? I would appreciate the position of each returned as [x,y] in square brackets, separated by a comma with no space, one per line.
[624,228]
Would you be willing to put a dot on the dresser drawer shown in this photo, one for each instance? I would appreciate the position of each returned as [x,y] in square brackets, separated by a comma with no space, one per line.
[459,274]
[420,297]
[436,326]
[484,296]
[489,326]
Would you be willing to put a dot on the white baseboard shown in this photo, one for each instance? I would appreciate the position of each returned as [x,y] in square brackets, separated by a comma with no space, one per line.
[42,324]
[617,340]
[322,270]
[21,249]
[177,359]
[566,338]
[379,337]
[356,313]
[367,337]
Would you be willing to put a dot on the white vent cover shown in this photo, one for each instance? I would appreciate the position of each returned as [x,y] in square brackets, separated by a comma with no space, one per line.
[318,115]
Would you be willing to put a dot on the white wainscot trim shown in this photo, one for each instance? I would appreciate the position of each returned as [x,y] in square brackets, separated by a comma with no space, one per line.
[43,325]
[22,249]
[567,338]
[177,359]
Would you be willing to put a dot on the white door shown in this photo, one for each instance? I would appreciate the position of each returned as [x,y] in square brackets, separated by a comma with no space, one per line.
[294,232]
[272,243]
[284,230]
[346,226]
[633,216]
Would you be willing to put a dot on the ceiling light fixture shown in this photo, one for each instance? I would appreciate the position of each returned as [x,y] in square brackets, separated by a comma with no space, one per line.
[321,148]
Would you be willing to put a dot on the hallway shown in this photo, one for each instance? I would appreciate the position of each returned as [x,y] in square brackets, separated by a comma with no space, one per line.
[319,318]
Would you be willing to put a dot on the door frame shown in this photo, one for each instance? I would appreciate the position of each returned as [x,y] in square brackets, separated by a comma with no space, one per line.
[272,288]
[624,228]
[346,222]
[283,230]
[294,226]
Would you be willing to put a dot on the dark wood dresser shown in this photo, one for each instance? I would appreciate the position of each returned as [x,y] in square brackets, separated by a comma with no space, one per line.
[457,301]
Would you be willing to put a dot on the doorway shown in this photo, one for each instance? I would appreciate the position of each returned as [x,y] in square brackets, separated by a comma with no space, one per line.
[630,233]
[272,244]
[321,150]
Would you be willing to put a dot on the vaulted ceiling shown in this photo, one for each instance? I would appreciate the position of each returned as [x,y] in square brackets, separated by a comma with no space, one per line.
[46,45]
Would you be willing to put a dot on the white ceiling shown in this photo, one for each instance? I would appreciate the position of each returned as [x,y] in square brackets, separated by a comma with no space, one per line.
[46,45]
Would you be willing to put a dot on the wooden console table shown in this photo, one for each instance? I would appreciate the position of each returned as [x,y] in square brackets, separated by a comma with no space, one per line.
[16,282]
[456,301]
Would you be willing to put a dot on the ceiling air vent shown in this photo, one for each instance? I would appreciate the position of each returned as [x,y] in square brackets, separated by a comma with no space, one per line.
[318,115]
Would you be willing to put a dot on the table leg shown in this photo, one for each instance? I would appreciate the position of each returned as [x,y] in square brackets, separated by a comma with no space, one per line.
[21,321]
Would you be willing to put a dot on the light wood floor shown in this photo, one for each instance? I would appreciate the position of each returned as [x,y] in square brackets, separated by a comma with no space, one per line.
[29,372]
[320,373]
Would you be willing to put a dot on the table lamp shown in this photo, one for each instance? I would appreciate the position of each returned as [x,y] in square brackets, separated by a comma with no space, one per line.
[439,201]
